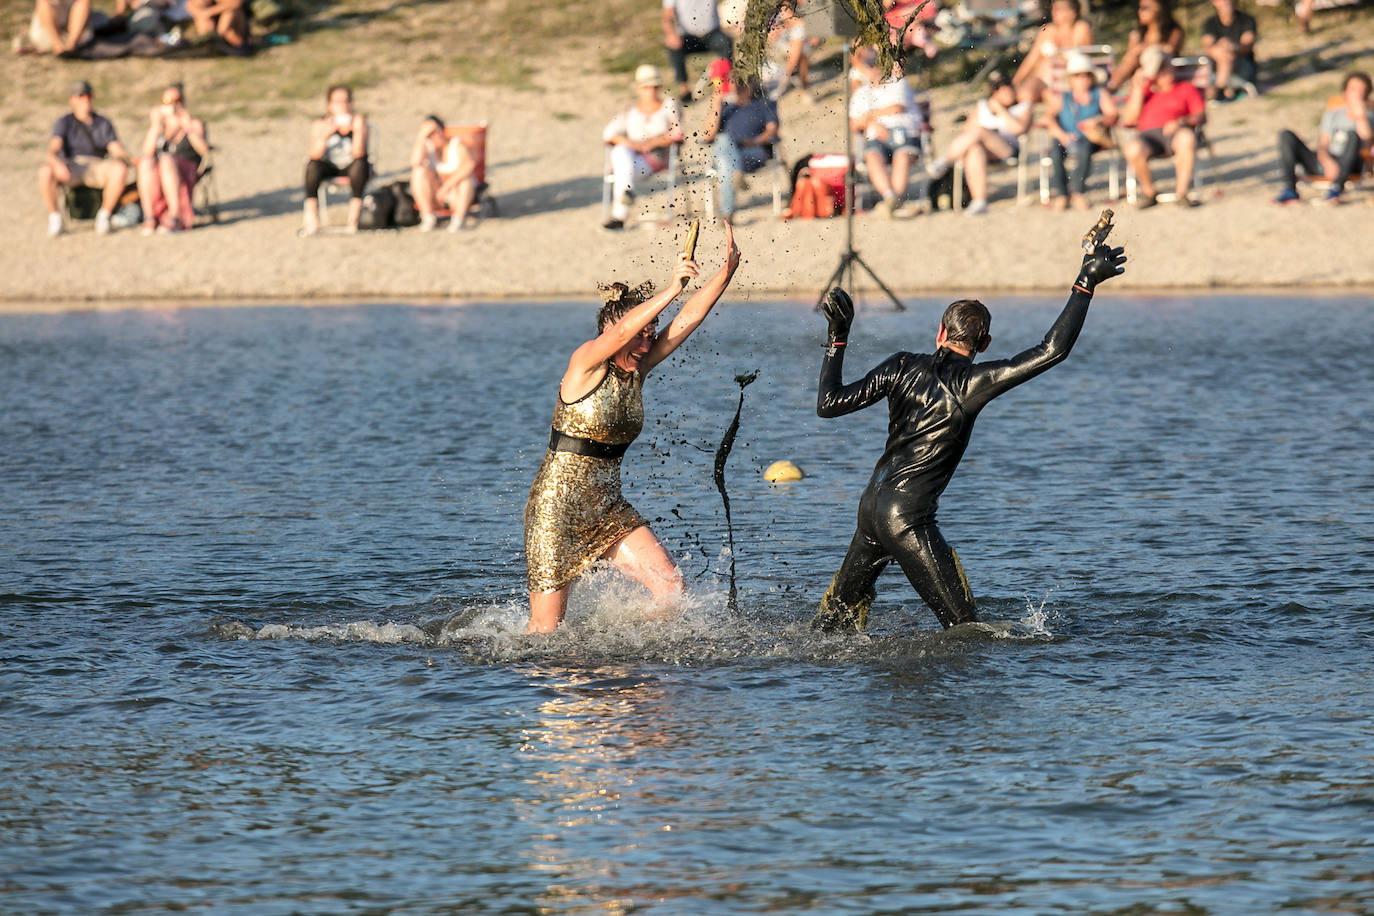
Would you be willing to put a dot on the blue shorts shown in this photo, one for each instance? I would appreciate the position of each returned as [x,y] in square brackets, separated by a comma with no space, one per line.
[887,149]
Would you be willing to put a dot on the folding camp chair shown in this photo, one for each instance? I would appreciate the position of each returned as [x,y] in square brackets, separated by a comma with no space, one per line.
[474,138]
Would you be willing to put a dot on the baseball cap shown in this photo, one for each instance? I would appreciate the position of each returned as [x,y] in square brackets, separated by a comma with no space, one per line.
[647,75]
[79,87]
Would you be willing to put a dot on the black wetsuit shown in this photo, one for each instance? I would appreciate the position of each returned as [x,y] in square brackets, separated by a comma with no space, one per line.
[932,403]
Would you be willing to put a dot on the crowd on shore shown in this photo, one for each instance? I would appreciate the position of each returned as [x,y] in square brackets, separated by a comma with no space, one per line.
[1080,94]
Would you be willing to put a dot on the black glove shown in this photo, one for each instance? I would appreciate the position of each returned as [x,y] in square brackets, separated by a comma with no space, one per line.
[1103,264]
[839,312]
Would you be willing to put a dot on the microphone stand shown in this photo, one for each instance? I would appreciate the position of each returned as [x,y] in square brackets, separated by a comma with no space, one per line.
[850,257]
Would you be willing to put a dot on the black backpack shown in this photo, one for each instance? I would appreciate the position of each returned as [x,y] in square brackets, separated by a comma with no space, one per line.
[379,209]
[405,213]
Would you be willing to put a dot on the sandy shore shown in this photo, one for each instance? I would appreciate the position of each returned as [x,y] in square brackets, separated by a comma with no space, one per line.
[544,168]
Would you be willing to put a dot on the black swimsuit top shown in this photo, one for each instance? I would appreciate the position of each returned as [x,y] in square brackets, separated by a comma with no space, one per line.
[933,400]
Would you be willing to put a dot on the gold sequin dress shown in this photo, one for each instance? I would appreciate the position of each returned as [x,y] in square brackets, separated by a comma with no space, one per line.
[575,510]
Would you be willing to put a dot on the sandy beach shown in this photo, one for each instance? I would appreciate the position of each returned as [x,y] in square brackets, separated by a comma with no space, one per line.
[544,168]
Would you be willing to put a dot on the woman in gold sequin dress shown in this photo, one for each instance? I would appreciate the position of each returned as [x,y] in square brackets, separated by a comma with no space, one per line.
[576,514]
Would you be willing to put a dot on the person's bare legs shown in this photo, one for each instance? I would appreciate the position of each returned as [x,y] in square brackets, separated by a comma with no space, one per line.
[547,610]
[901,171]
[976,172]
[1225,57]
[877,173]
[355,210]
[171,189]
[460,198]
[47,187]
[149,183]
[640,556]
[1184,144]
[77,17]
[114,185]
[1138,158]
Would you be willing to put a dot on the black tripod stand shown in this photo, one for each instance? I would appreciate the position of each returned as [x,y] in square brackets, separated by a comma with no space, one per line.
[850,257]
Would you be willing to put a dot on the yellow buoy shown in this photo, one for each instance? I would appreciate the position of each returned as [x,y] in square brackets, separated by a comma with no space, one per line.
[782,472]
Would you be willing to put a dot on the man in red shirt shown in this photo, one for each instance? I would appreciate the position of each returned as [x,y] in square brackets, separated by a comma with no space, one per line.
[1167,114]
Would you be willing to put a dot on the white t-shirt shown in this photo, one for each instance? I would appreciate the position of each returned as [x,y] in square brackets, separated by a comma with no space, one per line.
[996,123]
[868,98]
[694,17]
[636,125]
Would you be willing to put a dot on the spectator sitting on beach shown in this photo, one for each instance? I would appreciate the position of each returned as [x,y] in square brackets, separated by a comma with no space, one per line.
[993,134]
[1155,28]
[338,146]
[172,152]
[226,18]
[692,27]
[887,114]
[443,171]
[743,133]
[1065,30]
[1228,40]
[60,26]
[1167,114]
[1344,135]
[639,138]
[83,150]
[788,65]
[1078,120]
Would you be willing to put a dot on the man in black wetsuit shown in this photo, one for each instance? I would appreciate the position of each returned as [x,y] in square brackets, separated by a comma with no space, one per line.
[933,400]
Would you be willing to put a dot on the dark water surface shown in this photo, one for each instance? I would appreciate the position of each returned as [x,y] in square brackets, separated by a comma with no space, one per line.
[261,593]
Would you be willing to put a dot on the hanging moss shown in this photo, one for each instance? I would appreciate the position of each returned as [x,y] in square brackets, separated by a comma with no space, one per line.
[872,29]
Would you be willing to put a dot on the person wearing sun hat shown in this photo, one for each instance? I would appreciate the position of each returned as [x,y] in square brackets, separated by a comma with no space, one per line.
[1078,121]
[640,137]
[83,150]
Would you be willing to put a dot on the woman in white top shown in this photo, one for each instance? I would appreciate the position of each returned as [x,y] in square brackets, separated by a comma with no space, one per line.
[640,138]
[442,171]
[992,135]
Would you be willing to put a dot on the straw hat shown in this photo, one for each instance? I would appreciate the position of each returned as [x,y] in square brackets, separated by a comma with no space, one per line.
[1076,62]
[647,75]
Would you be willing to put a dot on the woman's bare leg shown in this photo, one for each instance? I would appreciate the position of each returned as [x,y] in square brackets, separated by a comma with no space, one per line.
[171,189]
[547,610]
[640,556]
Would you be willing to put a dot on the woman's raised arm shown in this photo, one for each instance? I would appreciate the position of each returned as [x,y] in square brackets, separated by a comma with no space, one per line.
[697,307]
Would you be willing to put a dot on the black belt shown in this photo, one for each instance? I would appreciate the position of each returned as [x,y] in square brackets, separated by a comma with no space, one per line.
[562,442]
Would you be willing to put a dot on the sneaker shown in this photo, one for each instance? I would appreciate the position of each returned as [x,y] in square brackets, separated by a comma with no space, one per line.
[936,168]
[1187,202]
[1331,197]
[427,222]
[976,208]
[888,206]
[613,225]
[1146,202]
[102,223]
[1287,196]
[54,225]
[457,224]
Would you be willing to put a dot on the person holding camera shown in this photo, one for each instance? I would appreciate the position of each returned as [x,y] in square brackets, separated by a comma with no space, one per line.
[933,400]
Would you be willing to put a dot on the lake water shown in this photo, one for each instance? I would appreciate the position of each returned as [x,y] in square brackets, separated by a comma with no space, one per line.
[261,589]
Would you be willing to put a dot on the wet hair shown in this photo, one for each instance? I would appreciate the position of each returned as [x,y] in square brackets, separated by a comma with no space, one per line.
[967,322]
[337,87]
[617,299]
[1362,77]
